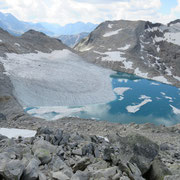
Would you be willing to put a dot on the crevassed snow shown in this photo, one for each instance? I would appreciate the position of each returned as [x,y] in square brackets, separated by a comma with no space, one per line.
[175,110]
[112,33]
[135,108]
[60,78]
[127,46]
[15,133]
[121,90]
[161,79]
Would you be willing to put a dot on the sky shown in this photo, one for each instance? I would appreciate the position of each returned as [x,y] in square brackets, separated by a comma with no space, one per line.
[70,11]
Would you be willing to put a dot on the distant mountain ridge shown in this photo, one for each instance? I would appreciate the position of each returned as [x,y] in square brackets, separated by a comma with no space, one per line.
[72,40]
[16,27]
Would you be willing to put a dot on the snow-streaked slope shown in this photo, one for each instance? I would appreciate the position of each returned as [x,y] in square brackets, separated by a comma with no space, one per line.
[57,78]
[139,47]
[15,133]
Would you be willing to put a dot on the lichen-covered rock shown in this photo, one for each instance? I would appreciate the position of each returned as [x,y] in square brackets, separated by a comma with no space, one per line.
[43,155]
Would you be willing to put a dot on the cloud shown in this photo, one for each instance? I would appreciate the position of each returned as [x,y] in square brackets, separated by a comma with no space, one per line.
[96,11]
[101,1]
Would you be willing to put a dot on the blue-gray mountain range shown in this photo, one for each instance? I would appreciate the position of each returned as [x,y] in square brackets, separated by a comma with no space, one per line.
[16,27]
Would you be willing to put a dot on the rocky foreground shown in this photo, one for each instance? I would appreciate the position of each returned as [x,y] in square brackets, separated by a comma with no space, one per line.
[84,149]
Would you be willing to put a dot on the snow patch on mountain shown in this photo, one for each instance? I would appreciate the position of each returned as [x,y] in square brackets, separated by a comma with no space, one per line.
[116,56]
[161,79]
[110,26]
[140,74]
[126,47]
[112,33]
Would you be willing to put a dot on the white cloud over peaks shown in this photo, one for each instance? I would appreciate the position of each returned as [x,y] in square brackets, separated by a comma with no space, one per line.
[177,8]
[96,11]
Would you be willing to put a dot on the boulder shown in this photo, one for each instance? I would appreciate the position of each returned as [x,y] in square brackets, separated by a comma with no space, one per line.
[59,176]
[158,171]
[13,170]
[81,164]
[80,175]
[2,137]
[42,176]
[106,173]
[45,130]
[136,149]
[172,177]
[43,155]
[32,170]
[2,117]
[44,145]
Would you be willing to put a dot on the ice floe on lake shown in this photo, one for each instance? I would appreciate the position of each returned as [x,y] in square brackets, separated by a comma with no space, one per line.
[175,110]
[135,108]
[121,90]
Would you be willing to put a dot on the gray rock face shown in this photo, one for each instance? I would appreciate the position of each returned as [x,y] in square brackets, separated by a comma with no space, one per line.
[139,47]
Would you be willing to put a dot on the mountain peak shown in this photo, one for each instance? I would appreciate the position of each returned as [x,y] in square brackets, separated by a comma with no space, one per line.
[174,22]
[33,32]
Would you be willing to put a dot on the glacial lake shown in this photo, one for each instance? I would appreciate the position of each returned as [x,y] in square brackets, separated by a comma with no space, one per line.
[137,100]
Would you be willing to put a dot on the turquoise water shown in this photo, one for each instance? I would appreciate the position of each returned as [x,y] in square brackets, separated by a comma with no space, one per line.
[160,104]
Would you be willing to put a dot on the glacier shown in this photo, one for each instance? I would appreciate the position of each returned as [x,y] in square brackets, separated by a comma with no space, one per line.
[59,78]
